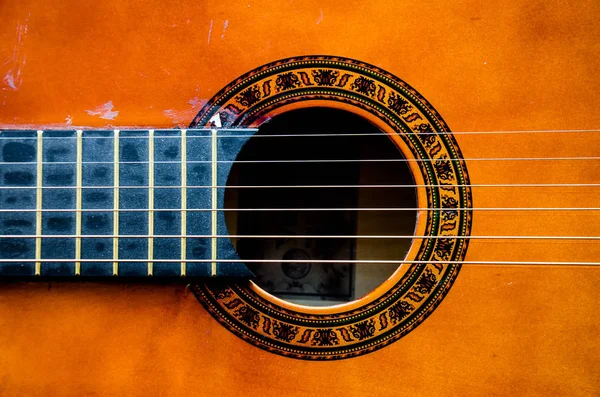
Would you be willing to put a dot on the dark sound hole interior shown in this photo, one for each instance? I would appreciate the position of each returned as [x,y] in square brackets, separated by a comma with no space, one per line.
[297,276]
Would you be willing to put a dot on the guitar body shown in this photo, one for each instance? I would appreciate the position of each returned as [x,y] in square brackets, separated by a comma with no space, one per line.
[502,329]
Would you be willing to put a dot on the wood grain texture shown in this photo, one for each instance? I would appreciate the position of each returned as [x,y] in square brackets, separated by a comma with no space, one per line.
[521,65]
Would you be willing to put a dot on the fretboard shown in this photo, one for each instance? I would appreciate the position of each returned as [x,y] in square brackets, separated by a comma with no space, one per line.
[133,203]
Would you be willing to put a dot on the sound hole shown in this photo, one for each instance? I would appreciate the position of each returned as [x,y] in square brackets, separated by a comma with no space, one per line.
[296,274]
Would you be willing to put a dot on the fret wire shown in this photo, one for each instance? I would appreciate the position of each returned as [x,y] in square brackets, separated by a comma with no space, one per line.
[38,204]
[78,202]
[116,203]
[183,203]
[342,261]
[496,185]
[213,266]
[305,236]
[151,201]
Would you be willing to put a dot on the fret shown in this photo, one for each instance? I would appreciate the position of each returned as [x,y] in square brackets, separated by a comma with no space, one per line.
[199,148]
[60,157]
[38,202]
[183,202]
[167,203]
[97,209]
[150,201]
[229,144]
[116,202]
[78,182]
[17,147]
[133,147]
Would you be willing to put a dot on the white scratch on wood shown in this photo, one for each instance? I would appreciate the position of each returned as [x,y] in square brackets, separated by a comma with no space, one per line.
[210,31]
[225,25]
[105,111]
[321,15]
[13,77]
[183,117]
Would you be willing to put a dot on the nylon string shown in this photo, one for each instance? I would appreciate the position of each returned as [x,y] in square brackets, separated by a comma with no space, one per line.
[38,235]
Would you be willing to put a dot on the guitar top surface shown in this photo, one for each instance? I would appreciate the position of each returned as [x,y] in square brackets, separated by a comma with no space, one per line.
[493,294]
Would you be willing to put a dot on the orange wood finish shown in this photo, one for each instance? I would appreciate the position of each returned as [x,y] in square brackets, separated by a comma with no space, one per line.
[502,330]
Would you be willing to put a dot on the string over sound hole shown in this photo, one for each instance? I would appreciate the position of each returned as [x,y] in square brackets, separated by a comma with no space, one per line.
[307,173]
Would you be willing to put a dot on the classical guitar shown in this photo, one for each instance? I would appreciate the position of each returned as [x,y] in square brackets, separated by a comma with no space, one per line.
[200,200]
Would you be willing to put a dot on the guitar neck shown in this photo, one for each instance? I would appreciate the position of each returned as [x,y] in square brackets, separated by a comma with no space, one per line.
[135,203]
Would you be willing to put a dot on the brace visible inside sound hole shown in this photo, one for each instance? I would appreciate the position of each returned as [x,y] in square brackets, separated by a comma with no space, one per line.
[297,276]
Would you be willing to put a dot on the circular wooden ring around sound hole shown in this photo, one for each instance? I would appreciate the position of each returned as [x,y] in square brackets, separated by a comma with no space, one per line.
[417,288]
